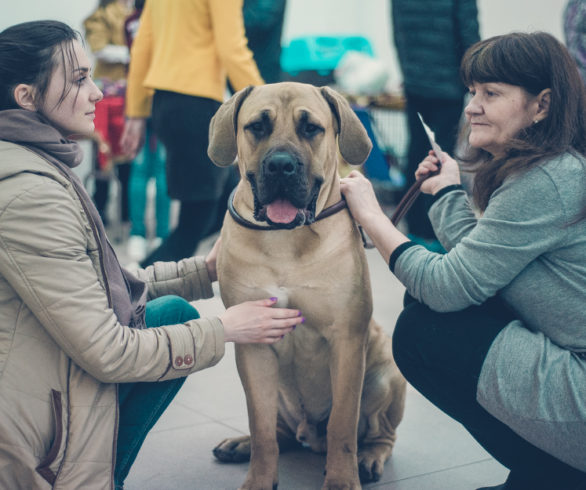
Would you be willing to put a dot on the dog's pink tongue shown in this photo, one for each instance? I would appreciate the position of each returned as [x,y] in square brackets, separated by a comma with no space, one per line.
[281,211]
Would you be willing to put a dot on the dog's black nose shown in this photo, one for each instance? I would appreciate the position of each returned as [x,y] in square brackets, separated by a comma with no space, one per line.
[281,163]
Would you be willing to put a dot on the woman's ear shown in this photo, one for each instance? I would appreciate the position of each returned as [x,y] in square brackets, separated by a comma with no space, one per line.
[24,95]
[543,101]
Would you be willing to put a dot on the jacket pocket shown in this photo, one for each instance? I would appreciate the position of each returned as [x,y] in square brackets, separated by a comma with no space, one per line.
[44,468]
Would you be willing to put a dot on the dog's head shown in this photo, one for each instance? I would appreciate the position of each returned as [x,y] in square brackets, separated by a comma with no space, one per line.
[286,137]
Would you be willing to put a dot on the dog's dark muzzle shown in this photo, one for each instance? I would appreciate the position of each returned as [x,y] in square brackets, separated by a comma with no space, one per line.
[283,195]
[281,164]
[282,176]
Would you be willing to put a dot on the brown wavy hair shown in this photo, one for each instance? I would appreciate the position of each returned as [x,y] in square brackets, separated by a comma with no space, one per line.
[533,61]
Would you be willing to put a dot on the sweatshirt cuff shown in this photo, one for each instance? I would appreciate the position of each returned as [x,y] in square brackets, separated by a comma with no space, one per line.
[397,252]
[442,192]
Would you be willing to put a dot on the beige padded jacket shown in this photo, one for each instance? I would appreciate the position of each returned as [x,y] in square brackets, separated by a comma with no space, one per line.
[62,351]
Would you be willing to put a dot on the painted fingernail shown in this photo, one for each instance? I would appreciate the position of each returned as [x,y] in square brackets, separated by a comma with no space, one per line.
[273,298]
[299,314]
[303,320]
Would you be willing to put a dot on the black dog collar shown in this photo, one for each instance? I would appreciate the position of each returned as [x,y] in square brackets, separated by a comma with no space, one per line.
[329,211]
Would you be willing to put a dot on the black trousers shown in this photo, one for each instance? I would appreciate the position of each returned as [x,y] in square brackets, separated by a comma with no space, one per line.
[181,122]
[102,191]
[441,355]
[443,117]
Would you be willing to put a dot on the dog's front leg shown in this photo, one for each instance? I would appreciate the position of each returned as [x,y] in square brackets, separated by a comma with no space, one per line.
[347,366]
[259,372]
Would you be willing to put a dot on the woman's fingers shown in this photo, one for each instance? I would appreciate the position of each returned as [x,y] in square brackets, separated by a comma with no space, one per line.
[446,173]
[360,197]
[353,174]
[429,164]
[276,335]
[211,260]
[259,321]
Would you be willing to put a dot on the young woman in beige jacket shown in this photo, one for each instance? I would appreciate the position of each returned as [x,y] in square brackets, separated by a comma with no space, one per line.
[82,376]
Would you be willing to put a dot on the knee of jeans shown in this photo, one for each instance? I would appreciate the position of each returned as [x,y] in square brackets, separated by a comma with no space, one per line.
[184,308]
[172,309]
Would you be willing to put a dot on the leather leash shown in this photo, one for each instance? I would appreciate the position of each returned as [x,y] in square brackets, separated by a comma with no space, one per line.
[407,201]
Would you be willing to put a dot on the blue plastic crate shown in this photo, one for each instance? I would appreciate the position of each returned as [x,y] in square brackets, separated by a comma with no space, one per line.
[320,53]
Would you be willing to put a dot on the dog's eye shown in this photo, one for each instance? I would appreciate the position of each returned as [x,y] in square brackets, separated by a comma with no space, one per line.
[256,127]
[310,130]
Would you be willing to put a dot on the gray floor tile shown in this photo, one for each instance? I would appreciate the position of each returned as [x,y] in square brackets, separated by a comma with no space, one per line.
[428,442]
[467,477]
[182,458]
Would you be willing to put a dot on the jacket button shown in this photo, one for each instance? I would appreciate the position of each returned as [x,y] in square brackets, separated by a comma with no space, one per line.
[178,361]
[188,360]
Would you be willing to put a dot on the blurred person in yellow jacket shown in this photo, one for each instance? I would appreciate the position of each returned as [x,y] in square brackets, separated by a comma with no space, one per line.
[181,58]
[105,35]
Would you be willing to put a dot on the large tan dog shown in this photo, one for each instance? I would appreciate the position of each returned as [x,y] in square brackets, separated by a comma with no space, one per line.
[336,369]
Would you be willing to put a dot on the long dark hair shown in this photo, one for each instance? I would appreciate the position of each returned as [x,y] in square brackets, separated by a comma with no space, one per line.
[534,62]
[29,52]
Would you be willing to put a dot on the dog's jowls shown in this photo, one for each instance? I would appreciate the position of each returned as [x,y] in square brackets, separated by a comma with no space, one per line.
[331,384]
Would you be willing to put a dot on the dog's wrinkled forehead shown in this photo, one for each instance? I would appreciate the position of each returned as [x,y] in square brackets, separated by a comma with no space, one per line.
[307,116]
[285,105]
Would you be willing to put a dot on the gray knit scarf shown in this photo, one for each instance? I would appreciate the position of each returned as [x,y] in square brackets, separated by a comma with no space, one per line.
[126,294]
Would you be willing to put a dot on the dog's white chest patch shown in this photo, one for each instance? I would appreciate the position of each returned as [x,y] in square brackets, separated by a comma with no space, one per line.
[281,293]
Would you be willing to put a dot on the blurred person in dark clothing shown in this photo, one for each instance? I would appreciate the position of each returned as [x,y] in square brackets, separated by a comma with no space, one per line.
[431,37]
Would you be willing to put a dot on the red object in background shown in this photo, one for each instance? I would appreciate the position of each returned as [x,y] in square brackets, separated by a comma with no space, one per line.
[109,124]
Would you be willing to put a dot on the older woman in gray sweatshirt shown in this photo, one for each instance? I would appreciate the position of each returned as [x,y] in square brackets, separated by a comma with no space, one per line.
[494,331]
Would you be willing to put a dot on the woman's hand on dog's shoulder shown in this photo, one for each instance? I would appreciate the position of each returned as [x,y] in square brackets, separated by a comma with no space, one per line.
[367,212]
[360,198]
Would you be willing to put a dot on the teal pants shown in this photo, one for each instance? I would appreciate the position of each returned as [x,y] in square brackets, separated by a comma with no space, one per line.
[141,404]
[149,164]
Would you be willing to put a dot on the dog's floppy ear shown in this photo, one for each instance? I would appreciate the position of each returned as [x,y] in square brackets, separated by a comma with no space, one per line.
[353,140]
[222,148]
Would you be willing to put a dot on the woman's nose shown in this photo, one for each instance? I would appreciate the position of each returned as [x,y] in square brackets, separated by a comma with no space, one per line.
[473,107]
[97,94]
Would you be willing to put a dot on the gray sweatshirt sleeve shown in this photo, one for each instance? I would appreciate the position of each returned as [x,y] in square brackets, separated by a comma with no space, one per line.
[452,218]
[524,219]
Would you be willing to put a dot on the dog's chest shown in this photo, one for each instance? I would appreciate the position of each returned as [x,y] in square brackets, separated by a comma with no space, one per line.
[281,293]
[304,375]
[305,287]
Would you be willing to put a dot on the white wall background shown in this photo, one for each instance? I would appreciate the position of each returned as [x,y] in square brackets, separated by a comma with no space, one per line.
[370,18]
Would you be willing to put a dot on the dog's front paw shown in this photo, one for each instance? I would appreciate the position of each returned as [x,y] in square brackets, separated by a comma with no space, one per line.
[371,461]
[341,484]
[370,471]
[263,481]
[256,487]
[235,450]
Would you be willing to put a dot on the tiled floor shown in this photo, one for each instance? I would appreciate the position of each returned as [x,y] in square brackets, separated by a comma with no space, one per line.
[432,451]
